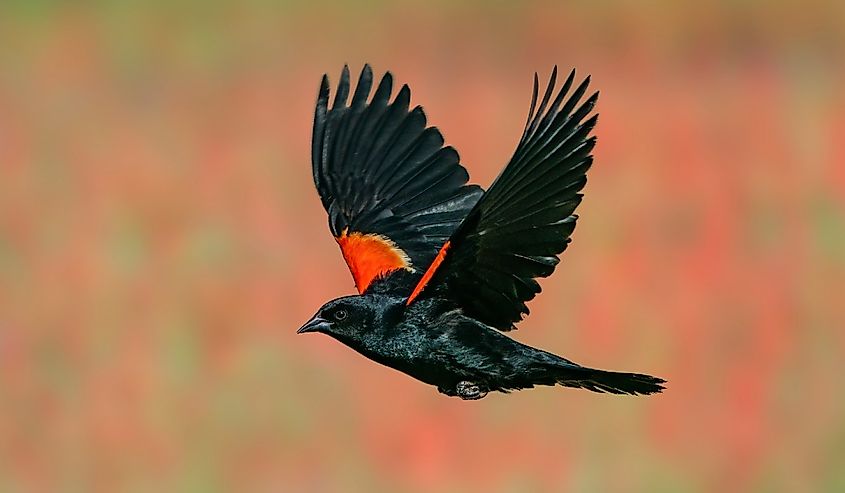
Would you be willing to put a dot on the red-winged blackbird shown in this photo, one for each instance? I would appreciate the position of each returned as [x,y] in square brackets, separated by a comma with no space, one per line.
[442,267]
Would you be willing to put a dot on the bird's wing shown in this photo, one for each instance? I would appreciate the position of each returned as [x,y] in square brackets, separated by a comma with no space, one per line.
[394,194]
[518,228]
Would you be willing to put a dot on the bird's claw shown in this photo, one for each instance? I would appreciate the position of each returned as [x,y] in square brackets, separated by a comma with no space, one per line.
[469,391]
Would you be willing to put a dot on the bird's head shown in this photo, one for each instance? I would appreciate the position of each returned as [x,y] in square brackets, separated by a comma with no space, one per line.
[345,319]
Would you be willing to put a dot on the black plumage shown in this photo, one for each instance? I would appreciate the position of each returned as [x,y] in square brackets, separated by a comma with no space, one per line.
[441,265]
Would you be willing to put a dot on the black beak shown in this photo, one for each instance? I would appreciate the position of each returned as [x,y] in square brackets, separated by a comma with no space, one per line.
[316,324]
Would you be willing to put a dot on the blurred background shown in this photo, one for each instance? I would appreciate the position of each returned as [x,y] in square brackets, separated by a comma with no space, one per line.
[161,241]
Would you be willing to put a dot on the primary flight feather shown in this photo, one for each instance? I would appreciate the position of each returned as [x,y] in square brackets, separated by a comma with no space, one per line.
[442,267]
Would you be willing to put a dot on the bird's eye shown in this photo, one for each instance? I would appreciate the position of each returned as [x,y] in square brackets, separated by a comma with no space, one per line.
[340,315]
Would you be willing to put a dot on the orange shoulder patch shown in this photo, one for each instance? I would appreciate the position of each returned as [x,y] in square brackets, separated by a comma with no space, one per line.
[370,256]
[429,273]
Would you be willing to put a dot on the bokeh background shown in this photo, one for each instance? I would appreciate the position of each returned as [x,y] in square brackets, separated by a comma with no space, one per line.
[161,241]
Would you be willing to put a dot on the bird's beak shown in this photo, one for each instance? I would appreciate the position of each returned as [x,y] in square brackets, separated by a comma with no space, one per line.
[316,324]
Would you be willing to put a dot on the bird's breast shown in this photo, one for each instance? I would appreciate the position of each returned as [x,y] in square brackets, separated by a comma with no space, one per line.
[410,352]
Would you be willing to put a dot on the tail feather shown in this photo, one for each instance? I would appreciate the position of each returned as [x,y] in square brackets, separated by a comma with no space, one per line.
[609,381]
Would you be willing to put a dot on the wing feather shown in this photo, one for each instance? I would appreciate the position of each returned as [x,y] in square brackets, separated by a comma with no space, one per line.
[393,193]
[520,226]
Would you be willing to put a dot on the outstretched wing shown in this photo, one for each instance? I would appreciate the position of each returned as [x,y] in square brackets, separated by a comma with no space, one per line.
[394,194]
[515,233]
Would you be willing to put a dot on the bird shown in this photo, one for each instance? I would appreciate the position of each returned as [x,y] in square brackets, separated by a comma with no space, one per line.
[442,268]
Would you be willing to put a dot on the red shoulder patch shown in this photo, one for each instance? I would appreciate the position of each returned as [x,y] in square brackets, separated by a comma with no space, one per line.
[428,273]
[370,256]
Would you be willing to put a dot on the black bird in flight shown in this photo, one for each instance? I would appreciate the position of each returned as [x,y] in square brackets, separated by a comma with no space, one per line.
[442,267]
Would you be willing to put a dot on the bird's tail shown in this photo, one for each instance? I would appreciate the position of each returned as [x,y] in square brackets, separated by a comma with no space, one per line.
[608,381]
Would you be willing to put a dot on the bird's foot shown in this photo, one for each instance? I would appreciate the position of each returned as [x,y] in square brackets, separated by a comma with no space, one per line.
[469,391]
